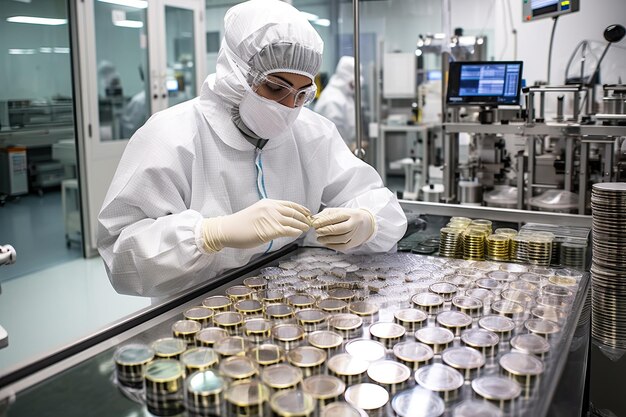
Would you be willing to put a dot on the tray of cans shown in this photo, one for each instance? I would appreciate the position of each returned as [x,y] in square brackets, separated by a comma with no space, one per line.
[326,334]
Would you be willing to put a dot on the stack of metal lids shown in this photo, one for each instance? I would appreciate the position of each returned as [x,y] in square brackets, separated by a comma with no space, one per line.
[608,269]
[451,242]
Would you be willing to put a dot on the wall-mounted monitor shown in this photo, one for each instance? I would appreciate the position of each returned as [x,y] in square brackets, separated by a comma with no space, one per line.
[486,83]
[538,9]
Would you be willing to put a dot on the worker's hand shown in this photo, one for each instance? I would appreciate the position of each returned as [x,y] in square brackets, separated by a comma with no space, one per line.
[260,223]
[343,228]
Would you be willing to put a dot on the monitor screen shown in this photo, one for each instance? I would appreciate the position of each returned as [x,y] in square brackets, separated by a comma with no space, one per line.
[538,9]
[484,83]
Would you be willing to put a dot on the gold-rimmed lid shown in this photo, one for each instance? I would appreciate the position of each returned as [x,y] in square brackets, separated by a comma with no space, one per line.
[292,403]
[530,343]
[238,367]
[388,372]
[164,370]
[267,354]
[496,388]
[228,319]
[217,302]
[247,393]
[341,409]
[239,292]
[325,339]
[507,307]
[367,349]
[310,316]
[443,288]
[466,302]
[199,358]
[270,296]
[200,313]
[412,351]
[168,347]
[463,358]
[497,324]
[256,327]
[210,335]
[363,308]
[345,322]
[521,364]
[453,319]
[480,338]
[341,294]
[231,346]
[205,383]
[186,327]
[255,283]
[434,335]
[382,330]
[133,354]
[418,402]
[426,299]
[306,356]
[548,313]
[332,305]
[323,387]
[278,311]
[345,364]
[439,378]
[541,326]
[301,300]
[281,376]
[287,332]
[247,306]
[410,315]
[367,396]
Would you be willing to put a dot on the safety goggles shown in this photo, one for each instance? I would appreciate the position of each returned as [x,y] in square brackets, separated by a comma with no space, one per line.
[275,89]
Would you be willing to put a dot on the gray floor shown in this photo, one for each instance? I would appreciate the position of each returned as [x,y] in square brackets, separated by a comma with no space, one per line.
[34,226]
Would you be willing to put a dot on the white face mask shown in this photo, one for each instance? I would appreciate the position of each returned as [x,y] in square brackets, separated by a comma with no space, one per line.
[266,118]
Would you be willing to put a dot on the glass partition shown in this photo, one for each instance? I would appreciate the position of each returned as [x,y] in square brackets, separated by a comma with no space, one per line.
[179,43]
[122,65]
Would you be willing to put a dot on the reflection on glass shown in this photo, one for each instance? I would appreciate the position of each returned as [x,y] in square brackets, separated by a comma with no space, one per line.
[122,60]
[179,35]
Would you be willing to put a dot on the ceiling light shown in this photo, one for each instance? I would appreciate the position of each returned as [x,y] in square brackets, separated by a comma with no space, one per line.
[36,20]
[135,4]
[45,50]
[418,52]
[310,16]
[61,50]
[439,35]
[16,51]
[136,24]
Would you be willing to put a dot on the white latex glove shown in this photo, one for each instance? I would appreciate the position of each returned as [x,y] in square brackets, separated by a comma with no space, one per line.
[260,223]
[343,228]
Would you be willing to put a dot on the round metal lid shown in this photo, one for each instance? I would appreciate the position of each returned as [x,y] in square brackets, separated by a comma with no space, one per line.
[292,403]
[410,315]
[530,343]
[413,352]
[439,378]
[281,376]
[367,349]
[367,396]
[164,370]
[426,299]
[311,316]
[238,367]
[341,294]
[481,294]
[346,364]
[323,387]
[228,318]
[418,402]
[519,297]
[232,345]
[497,324]
[480,338]
[507,307]
[454,319]
[248,306]
[205,382]
[210,335]
[467,302]
[278,310]
[474,408]
[521,364]
[256,326]
[541,326]
[388,372]
[325,339]
[133,354]
[306,356]
[239,291]
[198,313]
[270,296]
[384,330]
[496,388]
[341,409]
[186,327]
[548,313]
[444,288]
[216,302]
[255,282]
[557,290]
[362,308]
[345,321]
[331,304]
[287,332]
[434,335]
[199,357]
[267,354]
[299,300]
[247,393]
[169,346]
[463,358]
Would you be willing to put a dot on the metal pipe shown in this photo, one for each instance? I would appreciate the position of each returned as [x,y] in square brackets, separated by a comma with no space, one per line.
[531,169]
[582,178]
[359,151]
[520,180]
[569,164]
[542,105]
[530,107]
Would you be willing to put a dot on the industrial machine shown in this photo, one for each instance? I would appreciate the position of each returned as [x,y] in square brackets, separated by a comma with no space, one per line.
[7,257]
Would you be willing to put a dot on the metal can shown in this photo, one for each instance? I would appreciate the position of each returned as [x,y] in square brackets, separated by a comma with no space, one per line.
[199,359]
[130,363]
[207,337]
[204,393]
[347,368]
[229,321]
[217,303]
[292,403]
[164,380]
[308,358]
[168,348]
[202,315]
[281,376]
[186,330]
[246,399]
[324,389]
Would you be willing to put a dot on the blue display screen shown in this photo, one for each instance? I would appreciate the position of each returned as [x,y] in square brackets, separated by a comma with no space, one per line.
[489,80]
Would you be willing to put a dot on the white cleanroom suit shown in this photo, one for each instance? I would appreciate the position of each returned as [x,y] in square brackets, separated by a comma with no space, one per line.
[197,162]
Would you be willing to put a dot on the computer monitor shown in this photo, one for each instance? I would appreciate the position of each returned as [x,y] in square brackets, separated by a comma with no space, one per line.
[487,83]
[537,9]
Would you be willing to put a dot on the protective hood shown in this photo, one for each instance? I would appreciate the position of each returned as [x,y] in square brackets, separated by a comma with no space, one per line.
[344,75]
[269,36]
